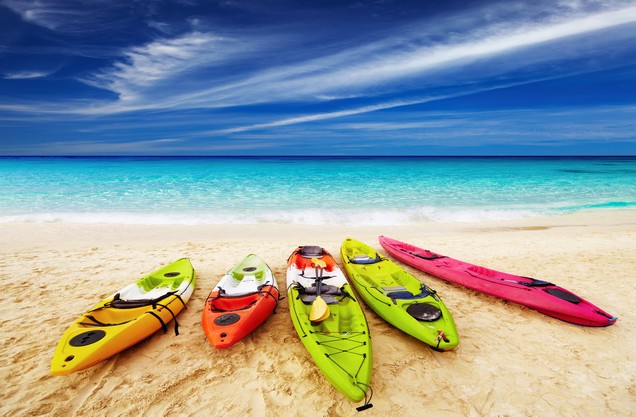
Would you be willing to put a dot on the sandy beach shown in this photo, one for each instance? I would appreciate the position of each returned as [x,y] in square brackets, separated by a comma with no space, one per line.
[511,361]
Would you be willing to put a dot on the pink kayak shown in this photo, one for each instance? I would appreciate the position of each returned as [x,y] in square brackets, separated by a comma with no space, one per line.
[542,296]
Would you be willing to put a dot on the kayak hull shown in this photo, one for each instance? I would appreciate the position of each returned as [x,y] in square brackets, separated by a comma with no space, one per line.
[542,296]
[398,297]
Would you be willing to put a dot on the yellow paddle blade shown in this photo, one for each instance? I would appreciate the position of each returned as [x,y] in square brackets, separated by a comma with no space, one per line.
[319,310]
[324,316]
[319,262]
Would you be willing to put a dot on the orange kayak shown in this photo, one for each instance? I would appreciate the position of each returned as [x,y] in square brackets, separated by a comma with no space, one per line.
[242,300]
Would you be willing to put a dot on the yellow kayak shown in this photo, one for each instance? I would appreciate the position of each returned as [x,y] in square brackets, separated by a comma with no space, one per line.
[126,318]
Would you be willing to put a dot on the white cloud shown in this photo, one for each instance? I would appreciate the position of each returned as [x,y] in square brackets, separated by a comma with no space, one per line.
[145,147]
[145,67]
[356,110]
[99,147]
[24,75]
[324,116]
[61,15]
[190,71]
[361,71]
[397,62]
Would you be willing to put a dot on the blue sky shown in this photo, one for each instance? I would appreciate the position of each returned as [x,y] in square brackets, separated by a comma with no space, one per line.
[150,77]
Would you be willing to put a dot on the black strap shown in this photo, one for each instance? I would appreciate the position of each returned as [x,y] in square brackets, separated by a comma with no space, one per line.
[176,323]
[163,324]
[269,291]
[210,298]
[345,294]
[367,401]
[302,274]
[181,299]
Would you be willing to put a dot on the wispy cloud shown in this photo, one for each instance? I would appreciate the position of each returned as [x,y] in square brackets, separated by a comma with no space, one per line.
[317,117]
[25,75]
[104,147]
[145,147]
[196,69]
[145,66]
[385,105]
[461,129]
[154,75]
[393,61]
[376,68]
[73,16]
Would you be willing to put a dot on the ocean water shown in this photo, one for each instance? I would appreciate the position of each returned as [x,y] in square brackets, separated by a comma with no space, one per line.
[311,190]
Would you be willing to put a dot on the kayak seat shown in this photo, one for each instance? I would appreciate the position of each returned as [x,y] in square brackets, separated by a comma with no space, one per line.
[327,292]
[407,295]
[325,289]
[365,259]
[118,302]
[311,252]
[328,299]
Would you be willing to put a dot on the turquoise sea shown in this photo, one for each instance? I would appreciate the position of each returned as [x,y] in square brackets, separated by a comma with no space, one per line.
[309,190]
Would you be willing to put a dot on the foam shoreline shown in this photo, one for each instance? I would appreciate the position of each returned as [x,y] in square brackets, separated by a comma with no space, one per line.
[358,217]
[510,361]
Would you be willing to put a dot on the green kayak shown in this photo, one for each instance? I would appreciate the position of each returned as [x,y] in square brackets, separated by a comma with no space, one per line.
[330,321]
[398,297]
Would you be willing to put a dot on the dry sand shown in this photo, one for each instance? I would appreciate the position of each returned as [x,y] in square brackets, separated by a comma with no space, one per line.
[511,361]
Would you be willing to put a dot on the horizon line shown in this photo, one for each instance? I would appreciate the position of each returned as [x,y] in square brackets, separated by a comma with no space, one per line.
[324,156]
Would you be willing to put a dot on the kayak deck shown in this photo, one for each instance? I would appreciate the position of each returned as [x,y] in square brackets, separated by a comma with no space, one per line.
[540,295]
[398,297]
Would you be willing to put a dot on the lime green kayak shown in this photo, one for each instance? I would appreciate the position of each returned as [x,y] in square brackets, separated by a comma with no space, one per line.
[398,297]
[337,336]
